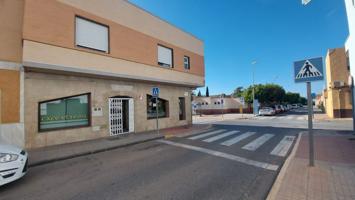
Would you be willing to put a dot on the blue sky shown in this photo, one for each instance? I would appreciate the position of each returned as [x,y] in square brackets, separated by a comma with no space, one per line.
[275,33]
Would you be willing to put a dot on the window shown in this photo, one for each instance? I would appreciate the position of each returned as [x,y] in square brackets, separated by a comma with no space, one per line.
[165,56]
[182,111]
[67,112]
[92,35]
[163,107]
[186,62]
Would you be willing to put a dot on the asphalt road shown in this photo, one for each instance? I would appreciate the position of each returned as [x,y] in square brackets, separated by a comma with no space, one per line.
[178,168]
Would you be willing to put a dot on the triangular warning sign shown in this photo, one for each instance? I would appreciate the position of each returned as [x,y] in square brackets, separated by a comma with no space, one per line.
[308,71]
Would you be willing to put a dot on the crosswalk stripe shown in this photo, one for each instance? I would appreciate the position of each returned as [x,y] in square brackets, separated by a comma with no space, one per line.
[252,146]
[300,118]
[237,139]
[220,136]
[282,148]
[205,134]
[263,165]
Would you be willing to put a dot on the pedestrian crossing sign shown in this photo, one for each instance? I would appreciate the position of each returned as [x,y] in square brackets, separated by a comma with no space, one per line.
[309,70]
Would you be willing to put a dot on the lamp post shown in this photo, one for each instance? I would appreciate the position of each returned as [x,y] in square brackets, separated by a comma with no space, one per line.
[253,72]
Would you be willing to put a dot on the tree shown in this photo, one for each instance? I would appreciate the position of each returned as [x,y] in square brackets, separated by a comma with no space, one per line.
[238,92]
[207,92]
[302,101]
[199,93]
[292,98]
[266,94]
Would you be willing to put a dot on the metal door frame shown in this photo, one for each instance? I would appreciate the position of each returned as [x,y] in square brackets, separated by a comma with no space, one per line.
[115,114]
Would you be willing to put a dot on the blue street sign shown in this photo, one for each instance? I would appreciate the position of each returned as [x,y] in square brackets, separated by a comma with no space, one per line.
[308,70]
[155,91]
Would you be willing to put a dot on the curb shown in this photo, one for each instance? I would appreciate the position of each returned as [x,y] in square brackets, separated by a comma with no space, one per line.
[192,132]
[43,162]
[276,186]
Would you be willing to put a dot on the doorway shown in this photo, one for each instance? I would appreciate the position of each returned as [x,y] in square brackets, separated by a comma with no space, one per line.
[121,115]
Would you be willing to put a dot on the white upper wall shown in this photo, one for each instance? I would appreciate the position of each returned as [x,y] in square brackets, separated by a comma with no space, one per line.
[129,15]
[350,43]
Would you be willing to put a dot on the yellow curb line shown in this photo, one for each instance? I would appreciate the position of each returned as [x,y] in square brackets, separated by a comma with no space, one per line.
[277,184]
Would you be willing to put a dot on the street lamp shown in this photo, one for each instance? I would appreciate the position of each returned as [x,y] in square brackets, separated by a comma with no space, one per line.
[253,71]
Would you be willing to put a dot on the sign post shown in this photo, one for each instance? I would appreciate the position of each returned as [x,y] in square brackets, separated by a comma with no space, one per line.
[155,94]
[307,71]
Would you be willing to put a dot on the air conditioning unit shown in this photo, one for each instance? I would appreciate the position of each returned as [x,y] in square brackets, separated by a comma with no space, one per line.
[337,84]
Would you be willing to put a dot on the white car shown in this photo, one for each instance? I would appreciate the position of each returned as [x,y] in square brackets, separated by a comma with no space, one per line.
[13,163]
[267,111]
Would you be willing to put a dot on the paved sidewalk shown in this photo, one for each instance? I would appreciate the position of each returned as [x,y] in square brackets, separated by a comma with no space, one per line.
[66,151]
[333,176]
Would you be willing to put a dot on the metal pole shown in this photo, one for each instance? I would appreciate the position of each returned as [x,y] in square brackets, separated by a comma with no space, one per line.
[253,91]
[156,107]
[353,103]
[310,125]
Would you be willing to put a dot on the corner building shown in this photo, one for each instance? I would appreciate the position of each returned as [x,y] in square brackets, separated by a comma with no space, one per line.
[75,70]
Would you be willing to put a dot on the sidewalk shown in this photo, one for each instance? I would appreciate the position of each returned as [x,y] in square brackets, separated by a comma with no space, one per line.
[55,153]
[333,176]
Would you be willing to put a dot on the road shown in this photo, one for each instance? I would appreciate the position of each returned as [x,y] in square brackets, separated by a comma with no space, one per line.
[291,119]
[225,162]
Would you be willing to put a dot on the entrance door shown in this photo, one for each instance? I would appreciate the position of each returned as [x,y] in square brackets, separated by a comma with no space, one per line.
[121,115]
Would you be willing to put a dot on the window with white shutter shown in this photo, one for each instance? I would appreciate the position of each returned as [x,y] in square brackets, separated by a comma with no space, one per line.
[92,35]
[165,56]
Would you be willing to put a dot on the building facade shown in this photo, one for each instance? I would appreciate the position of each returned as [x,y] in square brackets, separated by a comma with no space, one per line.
[218,105]
[74,70]
[350,42]
[337,95]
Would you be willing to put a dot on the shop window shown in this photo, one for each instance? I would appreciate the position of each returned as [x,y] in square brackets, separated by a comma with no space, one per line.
[182,110]
[62,113]
[187,62]
[91,35]
[165,56]
[163,107]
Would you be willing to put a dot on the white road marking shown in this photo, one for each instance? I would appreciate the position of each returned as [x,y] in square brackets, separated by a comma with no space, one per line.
[220,136]
[300,118]
[206,134]
[237,139]
[254,163]
[282,148]
[252,146]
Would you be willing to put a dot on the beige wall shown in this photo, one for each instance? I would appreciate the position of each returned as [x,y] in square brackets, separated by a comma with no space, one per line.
[338,100]
[52,22]
[71,60]
[41,87]
[10,95]
[138,19]
[11,21]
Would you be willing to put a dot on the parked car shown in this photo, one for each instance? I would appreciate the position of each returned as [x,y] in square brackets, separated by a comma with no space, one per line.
[13,163]
[294,106]
[283,109]
[277,109]
[266,111]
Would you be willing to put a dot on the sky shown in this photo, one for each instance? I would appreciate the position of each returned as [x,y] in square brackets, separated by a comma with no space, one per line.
[274,33]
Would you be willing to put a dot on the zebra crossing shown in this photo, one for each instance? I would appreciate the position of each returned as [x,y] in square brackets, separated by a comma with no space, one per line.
[222,136]
[286,117]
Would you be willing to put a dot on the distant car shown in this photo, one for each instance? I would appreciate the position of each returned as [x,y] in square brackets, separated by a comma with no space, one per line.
[277,109]
[13,163]
[294,106]
[266,111]
[283,109]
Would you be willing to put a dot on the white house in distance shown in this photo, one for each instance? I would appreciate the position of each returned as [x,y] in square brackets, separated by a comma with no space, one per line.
[350,42]
[218,105]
